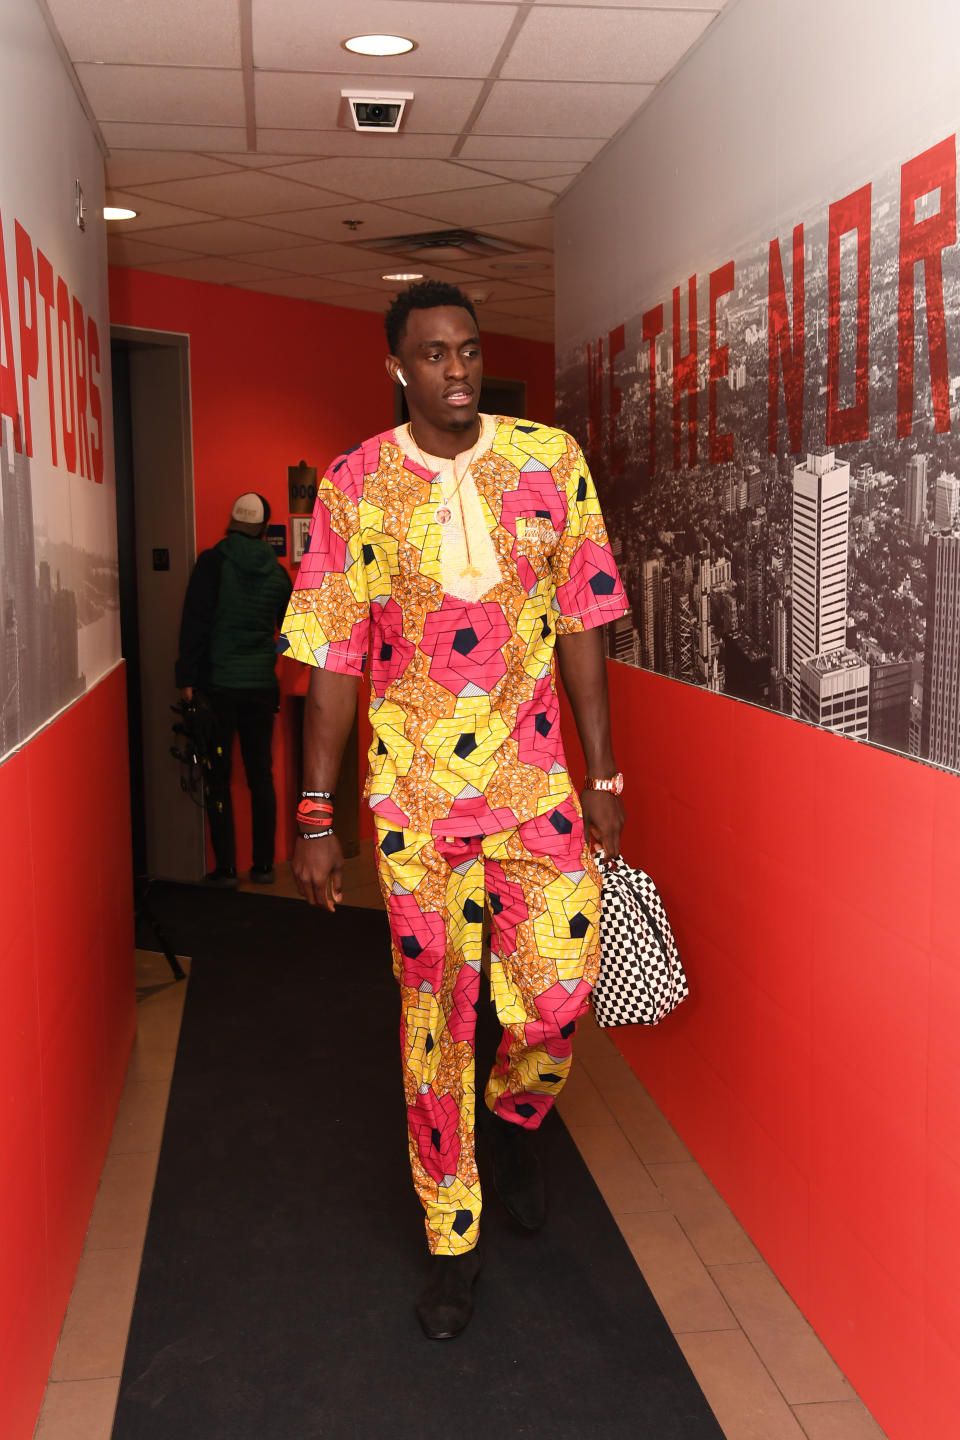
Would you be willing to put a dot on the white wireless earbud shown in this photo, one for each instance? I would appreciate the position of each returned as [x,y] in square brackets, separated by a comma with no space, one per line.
[402,378]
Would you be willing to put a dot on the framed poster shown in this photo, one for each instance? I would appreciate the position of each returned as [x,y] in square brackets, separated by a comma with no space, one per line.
[299,537]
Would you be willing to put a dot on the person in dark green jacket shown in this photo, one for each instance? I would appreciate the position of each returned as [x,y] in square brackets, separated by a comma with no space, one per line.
[235,601]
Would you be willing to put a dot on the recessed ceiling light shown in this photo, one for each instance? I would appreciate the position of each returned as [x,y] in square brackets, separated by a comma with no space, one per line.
[379,44]
[403,275]
[118,212]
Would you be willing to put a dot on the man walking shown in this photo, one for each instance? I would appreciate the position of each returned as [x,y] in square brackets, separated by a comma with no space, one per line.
[235,600]
[460,552]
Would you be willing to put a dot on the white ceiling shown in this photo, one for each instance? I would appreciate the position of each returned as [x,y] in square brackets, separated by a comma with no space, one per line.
[226,132]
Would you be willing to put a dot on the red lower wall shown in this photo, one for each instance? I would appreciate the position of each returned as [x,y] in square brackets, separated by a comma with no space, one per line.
[815,1072]
[274,381]
[67,1018]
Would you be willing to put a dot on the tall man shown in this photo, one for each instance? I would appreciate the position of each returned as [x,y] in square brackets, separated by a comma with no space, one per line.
[460,552]
[235,600]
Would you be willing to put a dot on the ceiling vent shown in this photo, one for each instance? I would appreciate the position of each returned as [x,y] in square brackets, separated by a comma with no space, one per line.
[441,245]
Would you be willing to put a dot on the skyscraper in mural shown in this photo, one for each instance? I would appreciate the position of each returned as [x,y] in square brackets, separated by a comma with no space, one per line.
[940,722]
[821,523]
[915,499]
[946,503]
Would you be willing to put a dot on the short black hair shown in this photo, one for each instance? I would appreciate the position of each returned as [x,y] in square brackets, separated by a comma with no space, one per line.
[425,295]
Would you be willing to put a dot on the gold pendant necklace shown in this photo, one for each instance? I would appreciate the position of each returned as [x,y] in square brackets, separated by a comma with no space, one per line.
[443,513]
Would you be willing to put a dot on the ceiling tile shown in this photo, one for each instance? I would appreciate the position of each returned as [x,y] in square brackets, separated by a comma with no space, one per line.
[241,193]
[304,35]
[132,136]
[529,147]
[536,107]
[491,292]
[538,233]
[257,162]
[163,95]
[514,267]
[524,169]
[150,213]
[144,167]
[571,43]
[224,237]
[126,250]
[215,269]
[712,6]
[330,224]
[440,107]
[305,287]
[314,259]
[556,184]
[178,32]
[384,179]
[492,205]
[335,142]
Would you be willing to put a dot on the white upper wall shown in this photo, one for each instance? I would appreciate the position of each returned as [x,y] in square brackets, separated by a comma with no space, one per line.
[785,106]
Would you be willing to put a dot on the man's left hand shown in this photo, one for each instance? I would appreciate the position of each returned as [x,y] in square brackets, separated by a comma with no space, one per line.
[603,817]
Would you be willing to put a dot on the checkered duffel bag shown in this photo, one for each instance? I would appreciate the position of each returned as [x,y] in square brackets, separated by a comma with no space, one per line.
[641,978]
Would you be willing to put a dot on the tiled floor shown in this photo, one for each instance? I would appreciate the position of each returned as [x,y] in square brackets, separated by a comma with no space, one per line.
[762,1368]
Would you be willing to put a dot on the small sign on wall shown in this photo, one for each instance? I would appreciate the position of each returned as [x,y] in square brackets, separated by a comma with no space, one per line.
[299,537]
[302,485]
[277,537]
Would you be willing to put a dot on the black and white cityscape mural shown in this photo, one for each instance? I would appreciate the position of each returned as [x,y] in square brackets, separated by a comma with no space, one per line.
[776,443]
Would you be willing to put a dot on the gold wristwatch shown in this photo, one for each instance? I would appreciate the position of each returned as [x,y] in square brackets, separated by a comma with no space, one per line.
[613,784]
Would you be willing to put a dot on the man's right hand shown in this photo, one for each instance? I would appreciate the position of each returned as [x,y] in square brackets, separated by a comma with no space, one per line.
[318,870]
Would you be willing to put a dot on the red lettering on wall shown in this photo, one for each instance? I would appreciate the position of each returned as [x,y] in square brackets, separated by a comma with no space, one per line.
[652,327]
[595,396]
[616,342]
[96,409]
[685,375]
[65,345]
[925,240]
[786,352]
[29,335]
[852,423]
[721,283]
[8,374]
[80,374]
[45,286]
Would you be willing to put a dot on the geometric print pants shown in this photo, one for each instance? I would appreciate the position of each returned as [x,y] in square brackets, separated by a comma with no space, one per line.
[541,887]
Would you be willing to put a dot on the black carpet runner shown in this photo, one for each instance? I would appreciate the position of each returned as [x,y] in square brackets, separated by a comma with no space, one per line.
[285,1244]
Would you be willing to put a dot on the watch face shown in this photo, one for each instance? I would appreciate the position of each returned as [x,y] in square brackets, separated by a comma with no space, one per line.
[614,784]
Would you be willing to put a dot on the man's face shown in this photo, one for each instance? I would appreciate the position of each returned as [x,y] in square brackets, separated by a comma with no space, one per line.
[441,362]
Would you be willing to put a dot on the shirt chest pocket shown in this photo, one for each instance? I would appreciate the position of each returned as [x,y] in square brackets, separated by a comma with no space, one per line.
[536,540]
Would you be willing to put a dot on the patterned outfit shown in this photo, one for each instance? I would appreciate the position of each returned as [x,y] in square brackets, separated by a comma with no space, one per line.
[467,778]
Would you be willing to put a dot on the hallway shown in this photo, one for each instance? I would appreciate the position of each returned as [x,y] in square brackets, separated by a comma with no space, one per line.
[764,1372]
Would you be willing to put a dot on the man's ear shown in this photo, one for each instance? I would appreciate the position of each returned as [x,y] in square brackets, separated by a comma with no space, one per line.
[395,370]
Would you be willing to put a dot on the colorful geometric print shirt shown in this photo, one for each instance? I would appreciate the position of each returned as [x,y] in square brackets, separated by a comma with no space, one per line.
[464,710]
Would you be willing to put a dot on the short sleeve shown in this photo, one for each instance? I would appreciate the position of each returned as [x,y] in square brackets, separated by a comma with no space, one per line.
[588,587]
[327,622]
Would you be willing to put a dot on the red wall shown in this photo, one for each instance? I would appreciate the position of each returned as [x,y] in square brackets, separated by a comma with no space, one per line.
[67,1018]
[812,882]
[274,381]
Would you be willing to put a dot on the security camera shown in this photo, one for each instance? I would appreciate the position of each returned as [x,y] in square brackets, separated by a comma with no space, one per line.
[377,109]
